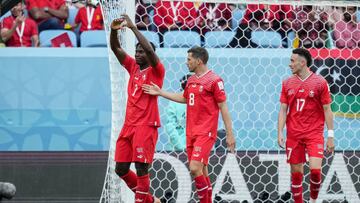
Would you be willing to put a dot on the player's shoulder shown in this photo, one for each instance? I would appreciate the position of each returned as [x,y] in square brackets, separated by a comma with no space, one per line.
[212,77]
[317,78]
[8,19]
[289,80]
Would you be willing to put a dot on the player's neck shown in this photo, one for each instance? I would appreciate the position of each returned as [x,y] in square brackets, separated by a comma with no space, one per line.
[144,66]
[201,70]
[304,74]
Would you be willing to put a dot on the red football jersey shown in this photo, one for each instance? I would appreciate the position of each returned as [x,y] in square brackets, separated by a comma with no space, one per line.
[30,29]
[305,99]
[202,97]
[96,21]
[142,108]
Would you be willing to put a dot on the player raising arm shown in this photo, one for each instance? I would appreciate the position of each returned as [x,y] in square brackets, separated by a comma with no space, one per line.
[138,137]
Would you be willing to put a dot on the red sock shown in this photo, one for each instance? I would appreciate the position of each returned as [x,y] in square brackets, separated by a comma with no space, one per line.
[131,181]
[209,189]
[315,182]
[296,187]
[142,189]
[202,188]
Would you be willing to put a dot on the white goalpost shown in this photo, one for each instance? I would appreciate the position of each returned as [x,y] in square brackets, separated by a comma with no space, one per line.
[252,77]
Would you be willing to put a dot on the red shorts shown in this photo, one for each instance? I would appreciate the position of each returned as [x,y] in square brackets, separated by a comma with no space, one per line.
[296,148]
[198,147]
[136,144]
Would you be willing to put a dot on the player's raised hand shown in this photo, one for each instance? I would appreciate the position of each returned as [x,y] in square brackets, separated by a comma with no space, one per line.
[230,141]
[330,147]
[281,141]
[152,89]
[118,24]
[128,21]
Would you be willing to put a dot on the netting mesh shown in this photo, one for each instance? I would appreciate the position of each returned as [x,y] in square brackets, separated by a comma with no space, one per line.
[250,47]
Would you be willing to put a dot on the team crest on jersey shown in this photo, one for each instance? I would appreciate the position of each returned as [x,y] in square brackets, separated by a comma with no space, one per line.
[197,149]
[311,93]
[220,85]
[201,88]
[139,149]
[291,92]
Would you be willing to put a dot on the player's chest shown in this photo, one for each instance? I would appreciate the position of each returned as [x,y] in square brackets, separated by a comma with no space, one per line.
[141,77]
[303,92]
[198,89]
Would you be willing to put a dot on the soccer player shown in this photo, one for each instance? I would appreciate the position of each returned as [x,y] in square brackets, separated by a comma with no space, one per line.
[305,105]
[138,137]
[204,96]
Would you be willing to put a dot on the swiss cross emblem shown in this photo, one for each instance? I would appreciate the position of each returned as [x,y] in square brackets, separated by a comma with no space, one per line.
[311,93]
[201,88]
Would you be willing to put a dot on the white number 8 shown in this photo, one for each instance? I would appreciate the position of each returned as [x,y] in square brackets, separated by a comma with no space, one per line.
[191,99]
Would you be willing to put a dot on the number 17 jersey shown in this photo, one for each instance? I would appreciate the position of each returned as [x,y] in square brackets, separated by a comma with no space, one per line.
[305,100]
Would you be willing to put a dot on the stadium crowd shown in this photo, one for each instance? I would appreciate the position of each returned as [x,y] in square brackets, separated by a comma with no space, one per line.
[297,26]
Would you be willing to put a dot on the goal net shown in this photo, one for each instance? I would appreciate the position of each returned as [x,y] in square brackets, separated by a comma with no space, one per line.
[250,44]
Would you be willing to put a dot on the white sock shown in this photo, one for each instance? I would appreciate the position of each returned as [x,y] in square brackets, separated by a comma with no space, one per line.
[312,200]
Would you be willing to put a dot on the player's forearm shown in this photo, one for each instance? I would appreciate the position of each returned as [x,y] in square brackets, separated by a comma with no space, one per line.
[329,118]
[114,40]
[281,120]
[142,40]
[226,118]
[61,13]
[176,97]
[145,44]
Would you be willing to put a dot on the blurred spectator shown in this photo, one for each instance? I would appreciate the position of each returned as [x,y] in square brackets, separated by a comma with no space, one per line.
[175,121]
[285,15]
[49,14]
[75,4]
[311,26]
[174,15]
[347,30]
[90,17]
[18,30]
[214,16]
[142,17]
[258,17]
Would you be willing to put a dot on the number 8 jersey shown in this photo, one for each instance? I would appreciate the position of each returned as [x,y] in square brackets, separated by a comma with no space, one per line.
[203,93]
[305,100]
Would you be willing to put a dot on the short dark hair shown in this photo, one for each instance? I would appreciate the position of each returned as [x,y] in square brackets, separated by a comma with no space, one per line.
[152,45]
[199,53]
[304,53]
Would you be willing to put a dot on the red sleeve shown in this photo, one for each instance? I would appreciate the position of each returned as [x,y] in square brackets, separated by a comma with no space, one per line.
[219,91]
[325,93]
[34,28]
[159,73]
[185,94]
[60,3]
[30,4]
[283,98]
[7,23]
[129,63]
[78,16]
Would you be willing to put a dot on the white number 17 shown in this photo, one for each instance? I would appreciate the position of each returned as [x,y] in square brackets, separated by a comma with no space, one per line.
[300,103]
